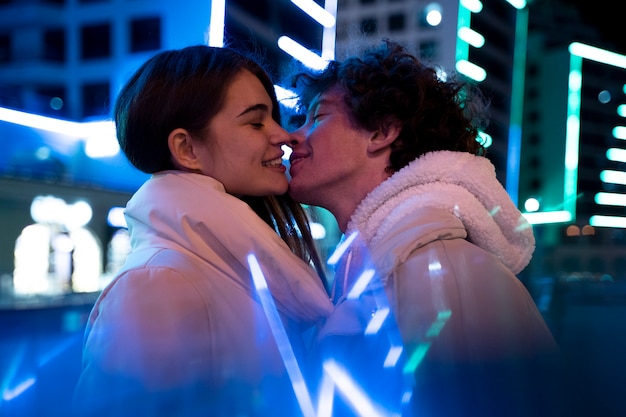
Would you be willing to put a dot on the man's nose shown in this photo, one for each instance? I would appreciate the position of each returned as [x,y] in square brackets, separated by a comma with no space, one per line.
[296,137]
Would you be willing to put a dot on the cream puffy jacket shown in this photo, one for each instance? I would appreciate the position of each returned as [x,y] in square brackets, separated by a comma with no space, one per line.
[443,242]
[181,329]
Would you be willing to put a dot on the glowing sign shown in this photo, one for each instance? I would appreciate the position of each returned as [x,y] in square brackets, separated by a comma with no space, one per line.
[327,18]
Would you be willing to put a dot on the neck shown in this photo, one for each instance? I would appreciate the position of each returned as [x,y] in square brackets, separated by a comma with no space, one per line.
[343,213]
[342,205]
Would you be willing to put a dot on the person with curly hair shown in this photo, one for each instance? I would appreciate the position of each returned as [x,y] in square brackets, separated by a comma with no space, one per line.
[431,241]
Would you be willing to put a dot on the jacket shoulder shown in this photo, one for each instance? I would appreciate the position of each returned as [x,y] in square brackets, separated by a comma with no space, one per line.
[482,307]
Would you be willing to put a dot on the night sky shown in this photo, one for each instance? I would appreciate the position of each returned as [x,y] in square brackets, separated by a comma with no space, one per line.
[607,17]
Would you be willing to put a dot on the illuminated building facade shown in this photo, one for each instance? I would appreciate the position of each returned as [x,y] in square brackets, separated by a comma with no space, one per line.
[65,60]
[62,64]
[483,40]
[281,30]
[572,184]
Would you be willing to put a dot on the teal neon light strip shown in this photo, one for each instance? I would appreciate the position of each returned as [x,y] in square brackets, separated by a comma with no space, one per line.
[462,47]
[608,221]
[572,135]
[517,104]
[579,51]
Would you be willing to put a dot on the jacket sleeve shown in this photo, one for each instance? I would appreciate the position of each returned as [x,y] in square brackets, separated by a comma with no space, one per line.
[148,333]
[466,305]
[486,345]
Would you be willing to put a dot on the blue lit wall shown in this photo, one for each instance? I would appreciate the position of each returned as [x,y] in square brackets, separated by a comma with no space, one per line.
[42,155]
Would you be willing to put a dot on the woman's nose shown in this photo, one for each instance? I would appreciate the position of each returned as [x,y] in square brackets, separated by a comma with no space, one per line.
[280,136]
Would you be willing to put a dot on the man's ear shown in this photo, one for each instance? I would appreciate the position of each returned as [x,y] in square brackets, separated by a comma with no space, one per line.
[182,149]
[384,136]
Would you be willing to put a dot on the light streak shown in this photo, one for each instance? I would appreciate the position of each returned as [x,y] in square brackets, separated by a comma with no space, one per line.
[472,70]
[341,249]
[326,397]
[392,356]
[286,97]
[352,392]
[216,24]
[416,358]
[302,54]
[319,14]
[10,394]
[378,318]
[361,284]
[99,136]
[282,340]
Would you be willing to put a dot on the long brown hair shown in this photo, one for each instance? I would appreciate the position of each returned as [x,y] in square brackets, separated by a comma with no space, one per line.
[185,88]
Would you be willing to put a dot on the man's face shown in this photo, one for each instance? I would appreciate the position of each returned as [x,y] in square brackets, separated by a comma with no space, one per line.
[329,152]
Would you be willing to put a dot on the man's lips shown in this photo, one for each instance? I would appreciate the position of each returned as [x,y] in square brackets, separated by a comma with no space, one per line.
[294,161]
[295,158]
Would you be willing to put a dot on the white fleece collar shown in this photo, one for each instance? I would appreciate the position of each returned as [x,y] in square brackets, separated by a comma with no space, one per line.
[461,183]
[193,213]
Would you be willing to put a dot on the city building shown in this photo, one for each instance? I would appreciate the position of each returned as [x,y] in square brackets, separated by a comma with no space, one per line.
[482,40]
[572,172]
[66,60]
[556,139]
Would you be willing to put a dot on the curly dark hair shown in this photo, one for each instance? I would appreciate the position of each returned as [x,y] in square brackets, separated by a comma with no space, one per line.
[389,84]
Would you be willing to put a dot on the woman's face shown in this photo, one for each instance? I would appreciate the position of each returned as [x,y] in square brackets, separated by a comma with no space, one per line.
[243,146]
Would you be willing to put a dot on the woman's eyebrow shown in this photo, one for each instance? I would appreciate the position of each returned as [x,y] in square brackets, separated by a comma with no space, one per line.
[255,107]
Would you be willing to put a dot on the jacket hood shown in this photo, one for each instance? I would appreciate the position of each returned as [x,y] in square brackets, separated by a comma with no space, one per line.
[463,184]
[194,214]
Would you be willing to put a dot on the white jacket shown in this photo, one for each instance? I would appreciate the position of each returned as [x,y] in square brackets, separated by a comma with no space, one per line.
[183,318]
[445,237]
[445,242]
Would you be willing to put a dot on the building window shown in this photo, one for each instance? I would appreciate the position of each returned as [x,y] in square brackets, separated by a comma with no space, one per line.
[571,264]
[10,96]
[620,268]
[396,22]
[428,50]
[534,185]
[369,26]
[534,139]
[597,265]
[96,98]
[54,45]
[534,162]
[5,48]
[51,100]
[533,116]
[145,34]
[96,41]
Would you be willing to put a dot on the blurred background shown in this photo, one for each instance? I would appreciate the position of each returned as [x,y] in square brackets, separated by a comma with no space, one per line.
[555,71]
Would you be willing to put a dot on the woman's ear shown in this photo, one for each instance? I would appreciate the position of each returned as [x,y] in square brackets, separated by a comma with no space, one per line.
[182,149]
[384,136]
